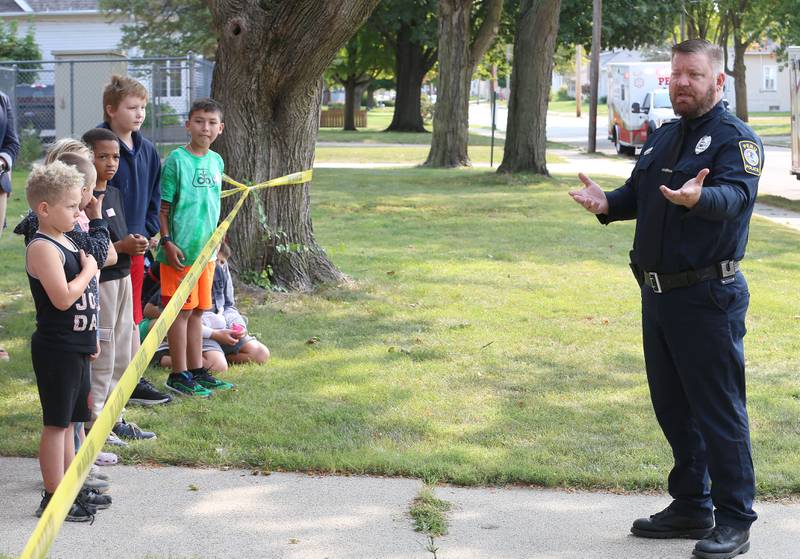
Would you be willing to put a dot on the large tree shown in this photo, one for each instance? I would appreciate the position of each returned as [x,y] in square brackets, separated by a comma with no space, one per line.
[537,28]
[359,62]
[738,24]
[458,58]
[270,61]
[625,24]
[164,28]
[409,30]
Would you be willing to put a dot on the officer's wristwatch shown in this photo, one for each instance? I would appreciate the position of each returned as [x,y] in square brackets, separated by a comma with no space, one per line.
[164,240]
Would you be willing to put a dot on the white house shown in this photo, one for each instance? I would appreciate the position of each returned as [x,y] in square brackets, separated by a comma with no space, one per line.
[80,50]
[767,81]
[64,25]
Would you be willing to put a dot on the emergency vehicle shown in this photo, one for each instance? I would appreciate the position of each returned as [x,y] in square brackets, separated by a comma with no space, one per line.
[638,102]
[794,85]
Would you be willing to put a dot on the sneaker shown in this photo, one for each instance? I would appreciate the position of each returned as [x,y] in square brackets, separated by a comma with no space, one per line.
[145,394]
[96,472]
[184,384]
[105,459]
[126,430]
[207,380]
[114,440]
[78,512]
[96,484]
[94,498]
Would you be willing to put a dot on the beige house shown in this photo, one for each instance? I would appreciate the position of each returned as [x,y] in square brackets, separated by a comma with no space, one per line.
[767,82]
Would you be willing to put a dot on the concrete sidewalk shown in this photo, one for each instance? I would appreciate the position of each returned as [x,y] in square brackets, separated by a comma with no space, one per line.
[183,512]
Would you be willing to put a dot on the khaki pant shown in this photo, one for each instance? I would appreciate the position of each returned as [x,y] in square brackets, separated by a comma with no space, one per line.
[119,339]
[3,204]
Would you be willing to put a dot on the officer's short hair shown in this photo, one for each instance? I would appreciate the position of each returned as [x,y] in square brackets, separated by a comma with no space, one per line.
[701,46]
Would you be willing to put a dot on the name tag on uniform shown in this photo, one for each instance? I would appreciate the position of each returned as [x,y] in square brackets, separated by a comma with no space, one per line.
[110,212]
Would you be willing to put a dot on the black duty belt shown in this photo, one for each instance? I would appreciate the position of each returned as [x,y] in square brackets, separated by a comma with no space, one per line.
[661,283]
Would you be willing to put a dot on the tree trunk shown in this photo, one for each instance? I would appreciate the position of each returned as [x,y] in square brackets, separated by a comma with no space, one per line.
[413,61]
[349,105]
[740,76]
[457,61]
[353,90]
[361,87]
[370,104]
[526,142]
[450,119]
[594,72]
[268,76]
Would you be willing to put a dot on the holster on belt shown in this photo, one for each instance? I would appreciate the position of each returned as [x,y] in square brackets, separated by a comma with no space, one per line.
[637,271]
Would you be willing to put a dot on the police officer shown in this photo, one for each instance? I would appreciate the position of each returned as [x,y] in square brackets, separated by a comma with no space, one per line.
[692,193]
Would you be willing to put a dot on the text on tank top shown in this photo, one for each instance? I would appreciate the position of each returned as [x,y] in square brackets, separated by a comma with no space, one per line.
[74,329]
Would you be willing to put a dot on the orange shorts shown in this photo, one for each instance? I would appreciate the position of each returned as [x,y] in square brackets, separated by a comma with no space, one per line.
[200,297]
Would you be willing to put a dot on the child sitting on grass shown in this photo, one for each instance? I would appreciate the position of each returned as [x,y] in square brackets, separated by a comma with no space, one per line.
[226,340]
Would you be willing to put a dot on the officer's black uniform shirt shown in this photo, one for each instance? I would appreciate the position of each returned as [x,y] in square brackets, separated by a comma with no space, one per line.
[716,228]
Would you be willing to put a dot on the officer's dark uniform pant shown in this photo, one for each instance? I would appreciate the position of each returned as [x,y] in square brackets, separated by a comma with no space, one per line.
[694,352]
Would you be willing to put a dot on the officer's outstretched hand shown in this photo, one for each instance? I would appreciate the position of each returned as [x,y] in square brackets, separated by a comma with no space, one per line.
[689,194]
[591,196]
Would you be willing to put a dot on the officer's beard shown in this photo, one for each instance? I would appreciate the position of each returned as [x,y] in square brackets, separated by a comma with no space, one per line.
[703,105]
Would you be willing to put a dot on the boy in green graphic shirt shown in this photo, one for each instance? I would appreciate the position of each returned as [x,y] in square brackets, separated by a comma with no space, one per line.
[191,183]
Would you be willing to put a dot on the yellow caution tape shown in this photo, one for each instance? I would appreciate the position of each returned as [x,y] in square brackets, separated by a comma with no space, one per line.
[293,178]
[50,523]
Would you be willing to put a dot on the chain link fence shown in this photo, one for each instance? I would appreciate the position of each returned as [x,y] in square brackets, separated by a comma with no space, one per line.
[63,97]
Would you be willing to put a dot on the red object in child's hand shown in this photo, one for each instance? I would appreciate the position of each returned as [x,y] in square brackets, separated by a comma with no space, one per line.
[237,328]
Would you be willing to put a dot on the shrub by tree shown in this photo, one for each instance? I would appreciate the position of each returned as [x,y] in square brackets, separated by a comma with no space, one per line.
[14,47]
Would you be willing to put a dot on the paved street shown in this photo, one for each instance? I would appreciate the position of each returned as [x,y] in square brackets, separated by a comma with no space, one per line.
[776,178]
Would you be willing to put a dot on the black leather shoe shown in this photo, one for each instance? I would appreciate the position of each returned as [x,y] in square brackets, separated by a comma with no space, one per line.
[723,543]
[669,524]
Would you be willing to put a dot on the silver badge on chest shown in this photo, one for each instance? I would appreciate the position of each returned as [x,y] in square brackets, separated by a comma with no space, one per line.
[702,145]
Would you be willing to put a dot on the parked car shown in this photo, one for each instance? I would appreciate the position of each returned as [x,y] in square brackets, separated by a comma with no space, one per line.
[36,108]
[658,108]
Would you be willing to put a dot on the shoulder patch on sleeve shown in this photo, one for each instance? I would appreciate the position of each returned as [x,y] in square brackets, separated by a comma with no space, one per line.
[751,157]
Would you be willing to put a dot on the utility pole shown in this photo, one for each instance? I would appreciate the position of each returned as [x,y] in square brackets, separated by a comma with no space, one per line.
[683,20]
[594,72]
[578,84]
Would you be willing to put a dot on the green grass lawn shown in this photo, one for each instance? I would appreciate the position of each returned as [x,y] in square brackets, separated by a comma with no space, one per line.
[377,121]
[779,202]
[568,107]
[766,124]
[491,335]
[405,154]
